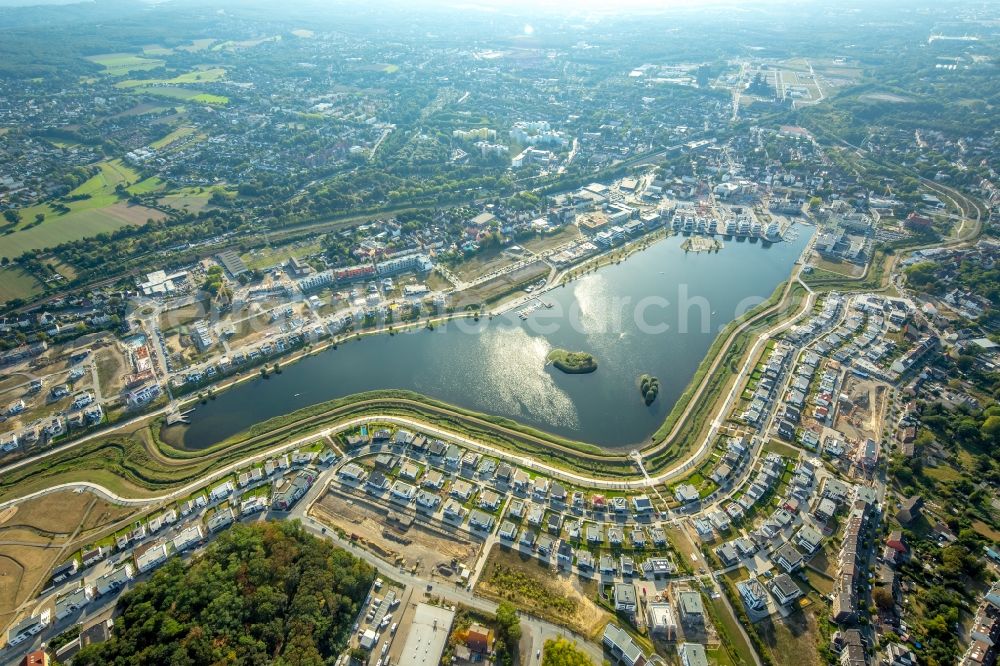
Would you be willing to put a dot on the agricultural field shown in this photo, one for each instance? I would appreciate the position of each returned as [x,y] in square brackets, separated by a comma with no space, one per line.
[99,210]
[112,173]
[74,226]
[193,46]
[174,136]
[141,110]
[120,64]
[208,75]
[244,44]
[17,283]
[156,50]
[183,94]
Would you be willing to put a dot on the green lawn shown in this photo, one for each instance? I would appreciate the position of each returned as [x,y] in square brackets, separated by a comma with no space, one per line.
[781,449]
[182,93]
[146,186]
[119,64]
[74,225]
[16,283]
[175,135]
[100,211]
[737,650]
[209,75]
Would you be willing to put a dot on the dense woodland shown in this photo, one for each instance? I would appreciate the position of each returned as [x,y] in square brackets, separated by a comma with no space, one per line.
[262,594]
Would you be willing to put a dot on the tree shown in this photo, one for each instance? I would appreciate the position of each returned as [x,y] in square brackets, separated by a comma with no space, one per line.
[268,593]
[508,624]
[560,652]
[990,429]
[882,596]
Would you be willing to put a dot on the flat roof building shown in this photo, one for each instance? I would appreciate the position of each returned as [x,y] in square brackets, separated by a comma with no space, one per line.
[692,654]
[622,647]
[428,635]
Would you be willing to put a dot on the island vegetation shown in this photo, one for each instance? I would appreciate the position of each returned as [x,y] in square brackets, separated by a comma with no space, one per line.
[649,387]
[574,363]
[262,594]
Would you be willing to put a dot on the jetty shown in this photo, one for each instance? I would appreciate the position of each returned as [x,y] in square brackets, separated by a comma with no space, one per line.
[175,416]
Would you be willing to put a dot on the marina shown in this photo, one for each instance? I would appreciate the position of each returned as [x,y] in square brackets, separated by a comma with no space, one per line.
[535,305]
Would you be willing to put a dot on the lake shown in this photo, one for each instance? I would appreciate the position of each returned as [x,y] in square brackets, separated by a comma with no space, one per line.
[656,312]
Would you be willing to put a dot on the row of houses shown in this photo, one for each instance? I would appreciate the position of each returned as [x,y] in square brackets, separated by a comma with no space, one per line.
[449,458]
[772,466]
[984,636]
[149,556]
[764,392]
[798,387]
[782,587]
[850,571]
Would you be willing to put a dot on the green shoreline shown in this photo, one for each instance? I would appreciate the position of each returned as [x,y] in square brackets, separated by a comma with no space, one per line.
[150,465]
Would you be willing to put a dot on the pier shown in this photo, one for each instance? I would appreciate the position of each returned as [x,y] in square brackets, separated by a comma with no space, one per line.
[175,416]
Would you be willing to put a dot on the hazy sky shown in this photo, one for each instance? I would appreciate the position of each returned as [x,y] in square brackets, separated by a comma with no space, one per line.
[571,6]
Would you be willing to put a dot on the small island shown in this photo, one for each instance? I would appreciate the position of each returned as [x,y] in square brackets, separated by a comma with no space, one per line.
[649,387]
[574,363]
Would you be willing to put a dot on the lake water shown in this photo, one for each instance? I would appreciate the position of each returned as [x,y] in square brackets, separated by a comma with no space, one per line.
[657,313]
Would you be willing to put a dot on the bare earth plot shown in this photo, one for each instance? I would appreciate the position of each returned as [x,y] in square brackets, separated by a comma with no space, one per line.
[481,264]
[60,512]
[432,548]
[521,579]
[493,289]
[793,640]
[48,521]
